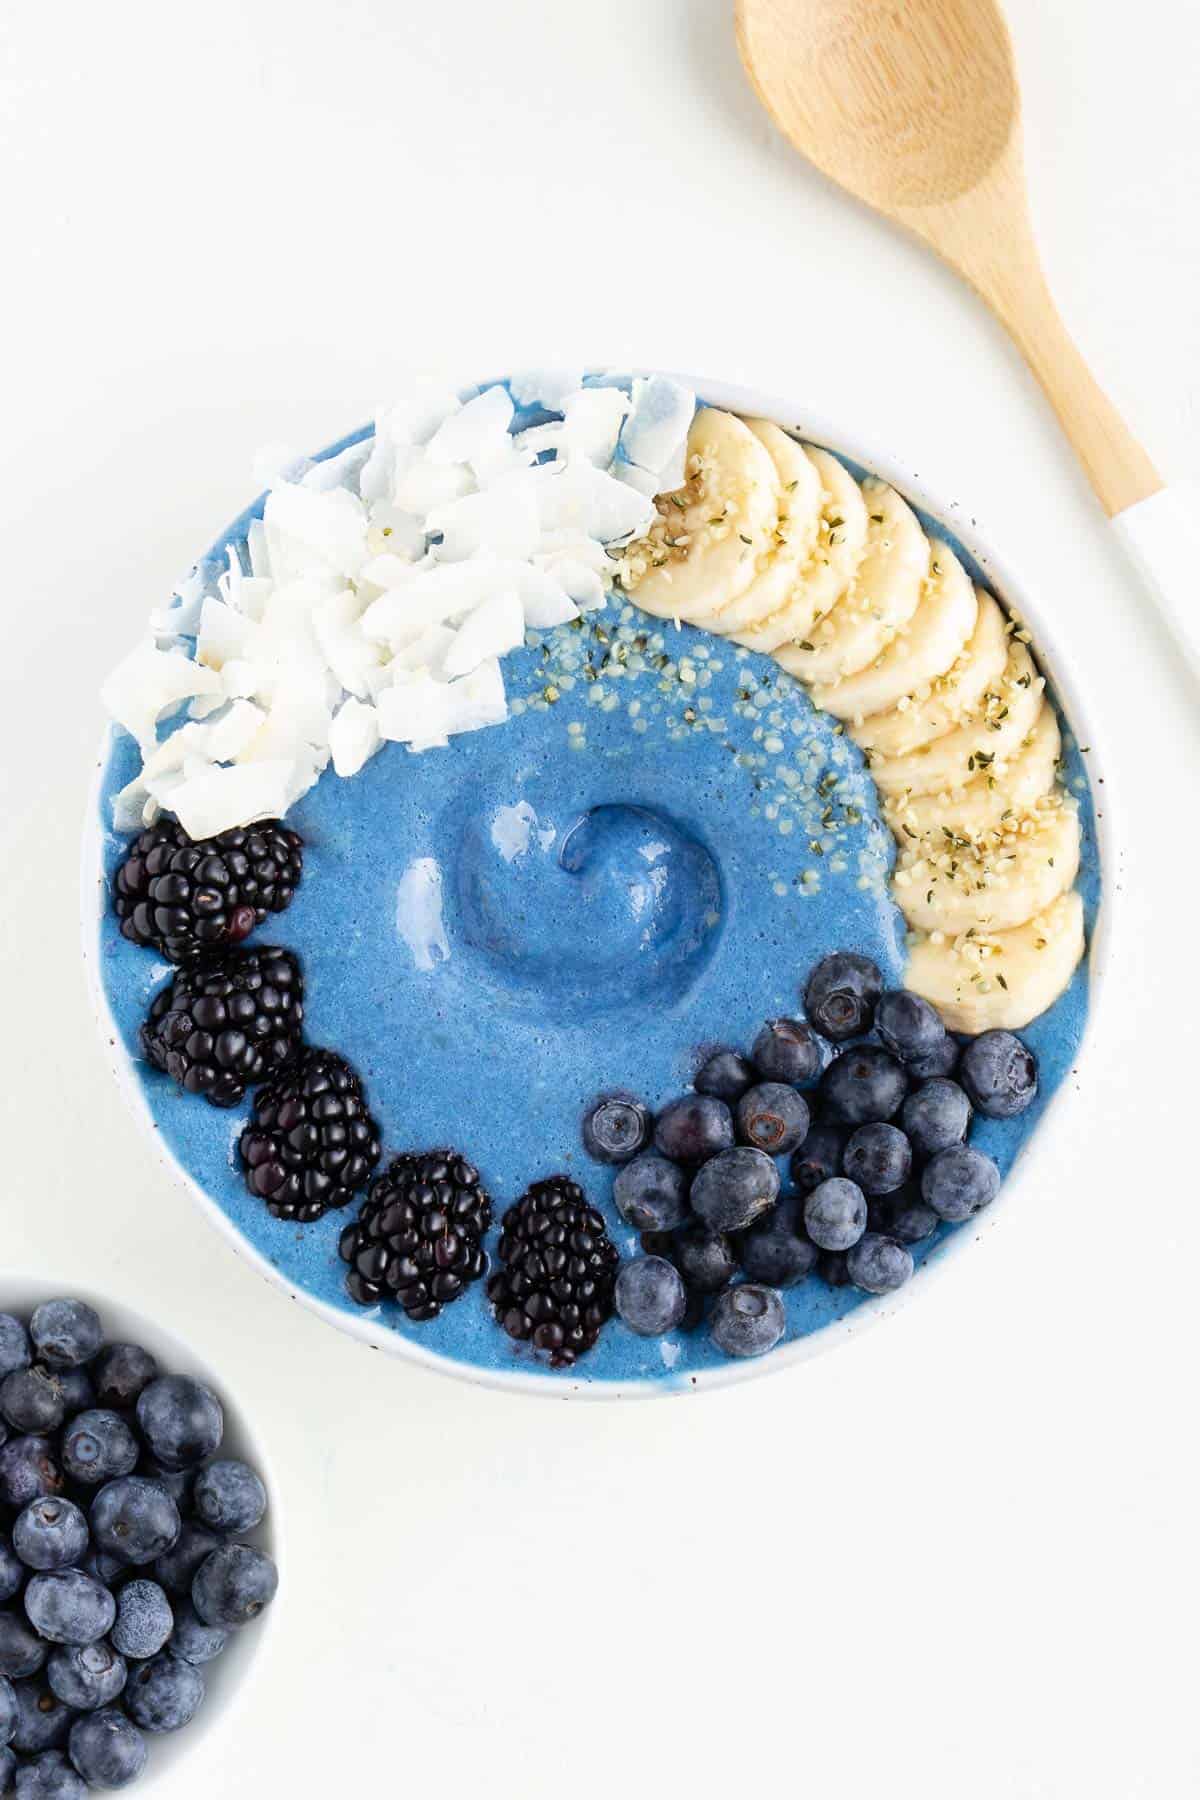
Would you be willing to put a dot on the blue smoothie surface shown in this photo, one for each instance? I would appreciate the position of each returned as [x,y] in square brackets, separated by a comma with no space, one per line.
[642,864]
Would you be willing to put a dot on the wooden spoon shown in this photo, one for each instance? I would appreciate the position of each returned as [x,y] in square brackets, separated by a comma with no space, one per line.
[913,106]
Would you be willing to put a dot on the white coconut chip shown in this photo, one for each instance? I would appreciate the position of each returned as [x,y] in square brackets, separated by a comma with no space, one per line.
[148,683]
[205,802]
[491,630]
[354,736]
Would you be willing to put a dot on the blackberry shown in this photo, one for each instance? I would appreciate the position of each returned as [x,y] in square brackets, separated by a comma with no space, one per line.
[188,898]
[418,1239]
[554,1287]
[311,1143]
[227,1023]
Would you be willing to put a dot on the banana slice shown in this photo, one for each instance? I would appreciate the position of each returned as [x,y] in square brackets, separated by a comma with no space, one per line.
[838,550]
[1008,713]
[990,799]
[928,646]
[994,883]
[799,523]
[931,711]
[711,535]
[880,601]
[1000,980]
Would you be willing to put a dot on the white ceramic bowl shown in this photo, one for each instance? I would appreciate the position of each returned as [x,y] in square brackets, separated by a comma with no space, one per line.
[1020,597]
[229,1677]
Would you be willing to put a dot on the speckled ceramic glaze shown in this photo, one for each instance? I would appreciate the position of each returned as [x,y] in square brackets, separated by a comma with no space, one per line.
[641,864]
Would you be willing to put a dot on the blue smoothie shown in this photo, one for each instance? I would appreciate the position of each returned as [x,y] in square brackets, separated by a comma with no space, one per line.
[642,864]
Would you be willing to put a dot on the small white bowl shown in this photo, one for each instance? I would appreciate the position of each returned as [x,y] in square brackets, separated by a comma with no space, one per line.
[228,1677]
[1018,596]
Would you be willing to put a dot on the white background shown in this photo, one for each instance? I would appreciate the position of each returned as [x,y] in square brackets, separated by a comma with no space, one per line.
[956,1558]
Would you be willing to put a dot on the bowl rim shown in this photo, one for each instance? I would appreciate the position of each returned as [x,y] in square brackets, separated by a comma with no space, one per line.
[1014,592]
[178,1355]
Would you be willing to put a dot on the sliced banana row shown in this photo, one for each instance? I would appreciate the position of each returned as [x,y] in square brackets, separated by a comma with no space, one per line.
[774,544]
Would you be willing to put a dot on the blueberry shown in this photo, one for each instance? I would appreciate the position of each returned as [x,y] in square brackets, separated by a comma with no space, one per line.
[908,1026]
[28,1470]
[864,1086]
[107,1749]
[704,1258]
[959,1181]
[12,1570]
[999,1074]
[878,1264]
[181,1421]
[773,1118]
[165,1694]
[135,1519]
[176,1569]
[97,1447]
[775,1253]
[732,1189]
[229,1497]
[835,1214]
[8,1710]
[788,1050]
[144,1620]
[233,1585]
[942,1061]
[66,1333]
[650,1295]
[747,1320]
[85,1676]
[50,1534]
[878,1158]
[16,1352]
[42,1719]
[616,1129]
[694,1128]
[8,1771]
[68,1607]
[106,1568]
[49,1777]
[936,1116]
[651,1193]
[831,1267]
[32,1400]
[192,1640]
[120,1372]
[725,1075]
[841,995]
[912,1222]
[819,1157]
[22,1652]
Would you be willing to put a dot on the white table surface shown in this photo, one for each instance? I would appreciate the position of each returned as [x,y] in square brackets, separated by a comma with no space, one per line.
[955,1560]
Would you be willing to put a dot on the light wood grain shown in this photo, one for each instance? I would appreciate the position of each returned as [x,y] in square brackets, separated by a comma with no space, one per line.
[913,106]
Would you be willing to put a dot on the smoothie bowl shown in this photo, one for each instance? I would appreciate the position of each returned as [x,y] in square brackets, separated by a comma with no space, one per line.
[590,887]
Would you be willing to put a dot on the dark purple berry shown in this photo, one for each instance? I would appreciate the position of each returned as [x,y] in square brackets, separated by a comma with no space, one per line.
[615,1129]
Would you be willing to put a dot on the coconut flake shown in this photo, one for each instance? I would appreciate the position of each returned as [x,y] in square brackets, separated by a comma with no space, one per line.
[504,521]
[314,533]
[492,630]
[476,431]
[220,799]
[148,683]
[579,498]
[354,736]
[658,423]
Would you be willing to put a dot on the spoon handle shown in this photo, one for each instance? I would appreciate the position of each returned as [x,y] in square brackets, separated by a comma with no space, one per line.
[987,236]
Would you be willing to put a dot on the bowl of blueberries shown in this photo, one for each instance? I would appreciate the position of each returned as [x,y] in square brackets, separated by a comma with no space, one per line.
[139,1546]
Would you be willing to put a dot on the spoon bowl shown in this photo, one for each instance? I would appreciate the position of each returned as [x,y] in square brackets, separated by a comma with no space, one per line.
[904,106]
[915,109]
